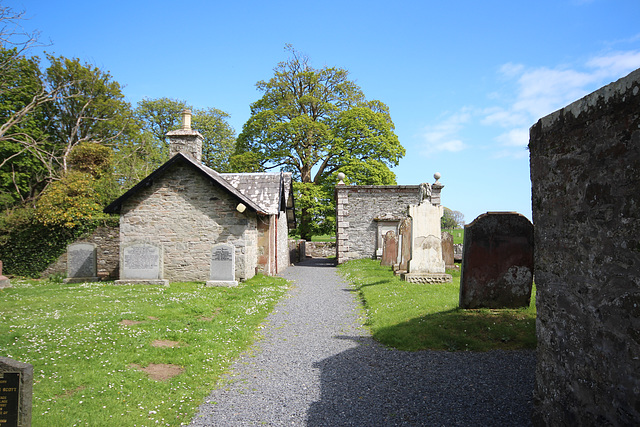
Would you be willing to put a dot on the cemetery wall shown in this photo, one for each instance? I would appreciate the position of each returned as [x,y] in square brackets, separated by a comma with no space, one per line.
[585,172]
[185,214]
[106,240]
[357,206]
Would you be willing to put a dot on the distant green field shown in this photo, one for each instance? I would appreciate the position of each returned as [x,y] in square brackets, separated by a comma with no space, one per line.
[457,233]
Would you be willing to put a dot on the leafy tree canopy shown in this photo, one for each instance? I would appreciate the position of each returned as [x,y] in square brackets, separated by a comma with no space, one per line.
[314,123]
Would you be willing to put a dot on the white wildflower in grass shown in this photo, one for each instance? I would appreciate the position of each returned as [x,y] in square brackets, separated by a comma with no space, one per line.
[88,359]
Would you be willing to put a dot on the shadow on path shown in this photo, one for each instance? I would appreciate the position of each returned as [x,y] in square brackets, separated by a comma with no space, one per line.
[317,262]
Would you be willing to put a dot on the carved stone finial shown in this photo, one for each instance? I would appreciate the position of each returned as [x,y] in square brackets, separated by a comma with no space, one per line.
[341,178]
[437,177]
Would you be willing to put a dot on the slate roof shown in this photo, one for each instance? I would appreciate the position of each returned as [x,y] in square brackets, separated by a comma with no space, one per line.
[208,173]
[263,188]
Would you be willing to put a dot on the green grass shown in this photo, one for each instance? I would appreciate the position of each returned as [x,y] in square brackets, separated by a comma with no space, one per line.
[457,233]
[320,238]
[411,316]
[83,356]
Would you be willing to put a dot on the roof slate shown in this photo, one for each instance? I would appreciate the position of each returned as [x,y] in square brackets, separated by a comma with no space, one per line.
[263,188]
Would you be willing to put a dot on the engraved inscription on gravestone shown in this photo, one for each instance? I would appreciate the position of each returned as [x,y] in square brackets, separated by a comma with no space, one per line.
[81,261]
[9,398]
[222,262]
[141,261]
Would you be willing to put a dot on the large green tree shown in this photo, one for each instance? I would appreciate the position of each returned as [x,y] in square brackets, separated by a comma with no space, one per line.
[156,117]
[315,123]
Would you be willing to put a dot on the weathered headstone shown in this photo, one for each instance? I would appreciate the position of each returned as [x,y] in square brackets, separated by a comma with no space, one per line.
[457,252]
[497,263]
[426,264]
[390,249]
[141,263]
[447,249]
[82,263]
[16,390]
[4,281]
[223,266]
[404,231]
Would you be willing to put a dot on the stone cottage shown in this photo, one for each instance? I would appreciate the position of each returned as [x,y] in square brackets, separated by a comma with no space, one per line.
[184,209]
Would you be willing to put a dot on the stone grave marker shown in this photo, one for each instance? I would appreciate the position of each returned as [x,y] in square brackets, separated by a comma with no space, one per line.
[4,281]
[390,249]
[16,390]
[404,234]
[223,266]
[426,264]
[447,249]
[497,261]
[141,263]
[82,263]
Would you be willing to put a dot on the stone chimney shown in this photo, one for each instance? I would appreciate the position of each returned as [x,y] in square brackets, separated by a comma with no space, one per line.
[186,140]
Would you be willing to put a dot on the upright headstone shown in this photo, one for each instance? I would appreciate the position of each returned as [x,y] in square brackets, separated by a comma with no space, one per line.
[404,231]
[4,281]
[223,266]
[16,390]
[447,250]
[389,249]
[82,263]
[141,263]
[497,261]
[426,264]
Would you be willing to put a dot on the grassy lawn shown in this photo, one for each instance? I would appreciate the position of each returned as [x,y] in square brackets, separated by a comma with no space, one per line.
[411,316]
[457,233]
[88,343]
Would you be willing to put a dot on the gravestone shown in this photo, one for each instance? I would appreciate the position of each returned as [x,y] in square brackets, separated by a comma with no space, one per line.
[141,263]
[4,281]
[404,232]
[447,249]
[426,264]
[497,261]
[223,266]
[82,263]
[16,390]
[389,249]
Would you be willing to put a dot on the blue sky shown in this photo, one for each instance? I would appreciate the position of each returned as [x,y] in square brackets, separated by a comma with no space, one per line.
[464,80]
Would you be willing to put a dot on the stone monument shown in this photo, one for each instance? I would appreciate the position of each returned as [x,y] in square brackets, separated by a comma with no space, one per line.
[223,266]
[497,264]
[4,281]
[82,263]
[426,264]
[447,250]
[390,249]
[141,263]
[16,390]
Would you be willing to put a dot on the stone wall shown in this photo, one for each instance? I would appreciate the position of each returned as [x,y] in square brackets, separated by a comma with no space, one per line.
[106,240]
[185,214]
[585,172]
[356,208]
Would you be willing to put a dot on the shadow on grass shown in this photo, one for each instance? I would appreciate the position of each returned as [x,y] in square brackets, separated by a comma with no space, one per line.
[458,329]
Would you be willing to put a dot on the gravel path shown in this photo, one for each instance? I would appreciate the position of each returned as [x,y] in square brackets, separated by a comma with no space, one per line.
[317,366]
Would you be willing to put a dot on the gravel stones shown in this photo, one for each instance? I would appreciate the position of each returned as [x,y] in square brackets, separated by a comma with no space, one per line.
[318,366]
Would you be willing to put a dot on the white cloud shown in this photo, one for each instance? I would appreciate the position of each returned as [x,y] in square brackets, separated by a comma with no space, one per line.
[444,135]
[537,91]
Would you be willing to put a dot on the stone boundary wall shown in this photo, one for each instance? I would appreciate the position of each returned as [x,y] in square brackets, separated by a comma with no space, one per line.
[585,173]
[356,208]
[107,241]
[320,249]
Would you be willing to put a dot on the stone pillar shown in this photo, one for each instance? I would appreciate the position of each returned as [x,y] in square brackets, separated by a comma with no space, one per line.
[585,176]
[342,218]
[436,189]
[186,140]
